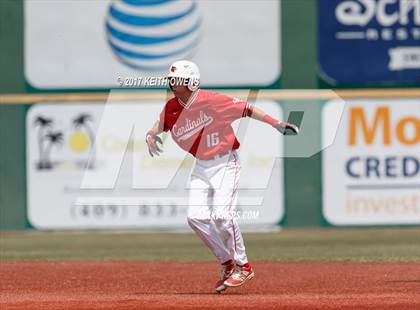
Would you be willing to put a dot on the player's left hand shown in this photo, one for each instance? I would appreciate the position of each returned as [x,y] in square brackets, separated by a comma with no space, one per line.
[286,128]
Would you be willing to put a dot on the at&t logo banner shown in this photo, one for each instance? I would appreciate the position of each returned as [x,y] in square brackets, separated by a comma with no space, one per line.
[92,44]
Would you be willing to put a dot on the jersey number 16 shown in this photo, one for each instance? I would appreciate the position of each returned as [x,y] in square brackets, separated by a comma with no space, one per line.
[212,139]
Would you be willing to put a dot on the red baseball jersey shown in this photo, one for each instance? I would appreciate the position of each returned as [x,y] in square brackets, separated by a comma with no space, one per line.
[202,126]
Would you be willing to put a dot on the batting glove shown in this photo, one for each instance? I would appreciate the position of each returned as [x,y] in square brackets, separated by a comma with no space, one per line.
[152,143]
[286,128]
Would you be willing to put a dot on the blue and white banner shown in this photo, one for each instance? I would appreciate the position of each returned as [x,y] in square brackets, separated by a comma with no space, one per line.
[96,44]
[369,41]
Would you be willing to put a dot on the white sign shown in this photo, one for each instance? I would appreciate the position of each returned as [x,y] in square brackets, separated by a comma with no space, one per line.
[148,192]
[93,44]
[371,174]
[404,58]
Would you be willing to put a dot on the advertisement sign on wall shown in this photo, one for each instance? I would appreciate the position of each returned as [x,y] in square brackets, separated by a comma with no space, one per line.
[371,174]
[235,43]
[67,179]
[369,41]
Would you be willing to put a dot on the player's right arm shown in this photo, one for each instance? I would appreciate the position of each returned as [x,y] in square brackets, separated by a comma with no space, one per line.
[152,139]
[164,123]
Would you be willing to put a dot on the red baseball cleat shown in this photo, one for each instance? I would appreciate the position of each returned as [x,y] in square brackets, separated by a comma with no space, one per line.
[227,270]
[240,276]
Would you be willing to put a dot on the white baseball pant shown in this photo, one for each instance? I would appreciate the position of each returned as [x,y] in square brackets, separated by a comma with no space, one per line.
[212,201]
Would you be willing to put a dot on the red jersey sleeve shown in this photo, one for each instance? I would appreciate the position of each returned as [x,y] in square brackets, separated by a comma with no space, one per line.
[169,115]
[163,119]
[229,108]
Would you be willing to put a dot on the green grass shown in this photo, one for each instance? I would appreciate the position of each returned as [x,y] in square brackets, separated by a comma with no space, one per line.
[383,244]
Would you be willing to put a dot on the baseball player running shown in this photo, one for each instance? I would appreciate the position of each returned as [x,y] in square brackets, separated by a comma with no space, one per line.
[200,123]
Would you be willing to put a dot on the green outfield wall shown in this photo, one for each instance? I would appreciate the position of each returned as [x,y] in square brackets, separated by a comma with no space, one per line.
[302,176]
[12,118]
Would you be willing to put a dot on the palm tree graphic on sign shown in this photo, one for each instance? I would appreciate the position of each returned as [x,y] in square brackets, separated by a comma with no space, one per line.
[53,138]
[81,122]
[43,123]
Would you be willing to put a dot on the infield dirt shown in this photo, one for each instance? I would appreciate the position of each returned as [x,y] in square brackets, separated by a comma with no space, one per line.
[189,285]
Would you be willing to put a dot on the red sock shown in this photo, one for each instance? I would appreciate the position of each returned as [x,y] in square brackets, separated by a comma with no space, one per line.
[246,266]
